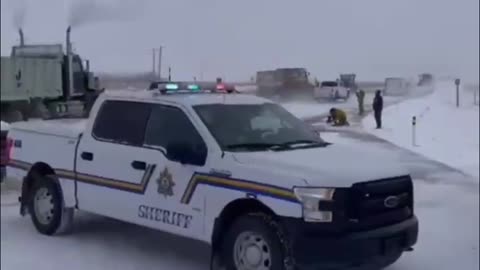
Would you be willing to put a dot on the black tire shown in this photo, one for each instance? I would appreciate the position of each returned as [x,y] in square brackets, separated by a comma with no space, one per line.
[56,199]
[265,227]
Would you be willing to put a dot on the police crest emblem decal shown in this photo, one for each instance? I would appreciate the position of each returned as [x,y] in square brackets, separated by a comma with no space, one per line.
[165,183]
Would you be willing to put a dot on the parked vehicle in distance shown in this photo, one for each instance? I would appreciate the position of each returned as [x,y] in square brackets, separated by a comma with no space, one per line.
[396,87]
[348,80]
[43,81]
[331,90]
[285,84]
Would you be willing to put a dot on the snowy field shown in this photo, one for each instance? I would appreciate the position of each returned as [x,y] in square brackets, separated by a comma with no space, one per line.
[443,132]
[447,204]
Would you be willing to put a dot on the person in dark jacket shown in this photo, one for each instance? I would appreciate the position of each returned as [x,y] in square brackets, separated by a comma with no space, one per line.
[378,107]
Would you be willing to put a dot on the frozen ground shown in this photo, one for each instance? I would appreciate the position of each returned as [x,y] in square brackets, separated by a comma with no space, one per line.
[311,110]
[443,132]
[447,204]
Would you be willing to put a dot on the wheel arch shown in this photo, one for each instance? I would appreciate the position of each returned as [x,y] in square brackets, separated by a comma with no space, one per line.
[36,171]
[233,210]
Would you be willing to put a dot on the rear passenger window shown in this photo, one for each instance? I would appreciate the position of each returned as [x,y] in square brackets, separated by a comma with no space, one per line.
[170,124]
[122,122]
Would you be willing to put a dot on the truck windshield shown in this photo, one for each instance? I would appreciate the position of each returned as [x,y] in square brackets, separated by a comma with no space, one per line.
[292,74]
[329,84]
[256,127]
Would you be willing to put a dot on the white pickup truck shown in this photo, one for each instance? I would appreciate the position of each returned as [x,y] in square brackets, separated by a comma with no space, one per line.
[236,171]
[331,90]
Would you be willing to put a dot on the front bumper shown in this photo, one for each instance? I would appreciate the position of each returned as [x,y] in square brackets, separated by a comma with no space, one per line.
[313,248]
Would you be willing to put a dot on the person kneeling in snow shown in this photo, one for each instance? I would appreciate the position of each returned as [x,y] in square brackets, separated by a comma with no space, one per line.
[337,117]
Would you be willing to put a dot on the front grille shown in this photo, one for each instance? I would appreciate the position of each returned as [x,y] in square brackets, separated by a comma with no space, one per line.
[367,208]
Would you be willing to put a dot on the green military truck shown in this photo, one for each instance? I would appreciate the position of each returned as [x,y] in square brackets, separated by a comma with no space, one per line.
[286,84]
[348,80]
[41,81]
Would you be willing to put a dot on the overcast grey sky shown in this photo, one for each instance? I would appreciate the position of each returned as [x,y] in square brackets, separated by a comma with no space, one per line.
[235,38]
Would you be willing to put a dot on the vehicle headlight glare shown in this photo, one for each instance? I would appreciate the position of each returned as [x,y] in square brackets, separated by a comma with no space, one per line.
[310,198]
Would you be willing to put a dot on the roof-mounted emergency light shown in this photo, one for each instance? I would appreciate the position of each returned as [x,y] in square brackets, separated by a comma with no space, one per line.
[193,87]
[188,88]
[171,86]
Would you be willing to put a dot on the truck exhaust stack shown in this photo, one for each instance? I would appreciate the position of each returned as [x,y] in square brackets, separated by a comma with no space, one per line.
[69,64]
[22,39]
[68,43]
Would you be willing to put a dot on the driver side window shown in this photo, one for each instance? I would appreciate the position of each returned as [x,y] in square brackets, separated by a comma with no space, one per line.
[170,125]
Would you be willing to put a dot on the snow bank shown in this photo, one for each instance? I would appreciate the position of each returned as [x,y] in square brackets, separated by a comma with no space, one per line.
[4,126]
[444,133]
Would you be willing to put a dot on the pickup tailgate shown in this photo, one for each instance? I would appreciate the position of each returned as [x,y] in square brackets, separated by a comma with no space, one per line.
[51,142]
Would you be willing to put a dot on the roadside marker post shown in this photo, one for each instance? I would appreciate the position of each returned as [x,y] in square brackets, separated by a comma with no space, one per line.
[414,131]
[457,84]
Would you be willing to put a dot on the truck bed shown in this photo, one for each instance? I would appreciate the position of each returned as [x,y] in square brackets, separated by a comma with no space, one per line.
[52,142]
[70,128]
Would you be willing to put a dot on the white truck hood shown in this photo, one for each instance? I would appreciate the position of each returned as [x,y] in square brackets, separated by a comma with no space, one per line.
[331,166]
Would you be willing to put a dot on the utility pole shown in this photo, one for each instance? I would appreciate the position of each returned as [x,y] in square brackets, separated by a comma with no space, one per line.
[154,64]
[160,62]
[457,84]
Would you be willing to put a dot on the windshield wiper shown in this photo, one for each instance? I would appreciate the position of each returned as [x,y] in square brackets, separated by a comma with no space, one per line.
[300,143]
[277,146]
[251,146]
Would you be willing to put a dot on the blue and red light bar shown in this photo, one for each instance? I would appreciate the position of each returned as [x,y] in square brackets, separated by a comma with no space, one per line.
[187,88]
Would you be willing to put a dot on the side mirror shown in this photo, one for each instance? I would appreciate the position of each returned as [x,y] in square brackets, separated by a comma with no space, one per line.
[186,153]
[90,81]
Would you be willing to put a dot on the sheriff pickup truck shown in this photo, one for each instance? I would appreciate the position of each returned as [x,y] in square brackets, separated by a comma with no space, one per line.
[236,171]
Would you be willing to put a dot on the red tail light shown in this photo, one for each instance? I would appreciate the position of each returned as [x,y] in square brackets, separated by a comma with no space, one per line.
[9,149]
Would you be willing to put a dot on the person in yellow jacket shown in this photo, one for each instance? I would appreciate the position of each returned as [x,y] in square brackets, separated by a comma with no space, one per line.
[337,117]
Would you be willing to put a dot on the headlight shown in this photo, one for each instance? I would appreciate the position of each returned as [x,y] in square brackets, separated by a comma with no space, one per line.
[310,198]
